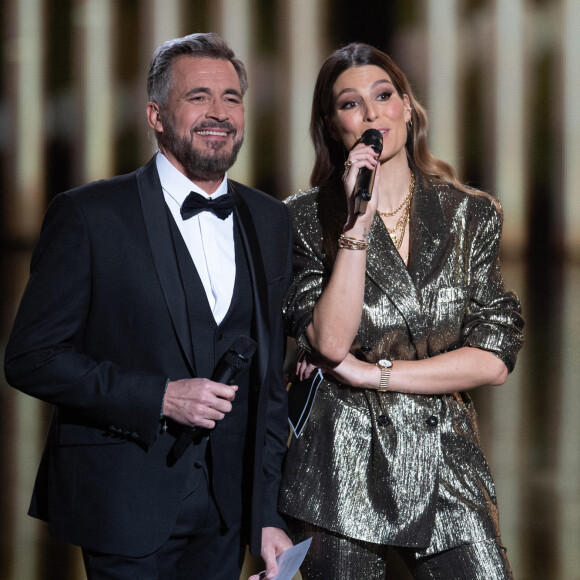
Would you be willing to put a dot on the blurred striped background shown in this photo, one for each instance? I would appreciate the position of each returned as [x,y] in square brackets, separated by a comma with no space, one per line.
[501,82]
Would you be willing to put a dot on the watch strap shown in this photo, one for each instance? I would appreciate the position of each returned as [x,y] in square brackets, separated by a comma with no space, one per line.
[385,377]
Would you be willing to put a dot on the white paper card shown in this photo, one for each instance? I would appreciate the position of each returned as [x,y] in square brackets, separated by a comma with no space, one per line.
[289,560]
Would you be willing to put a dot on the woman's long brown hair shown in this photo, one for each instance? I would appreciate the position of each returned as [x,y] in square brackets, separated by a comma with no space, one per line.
[330,153]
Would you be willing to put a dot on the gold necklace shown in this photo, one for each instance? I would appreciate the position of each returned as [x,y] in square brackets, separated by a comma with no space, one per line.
[400,227]
[404,202]
[402,222]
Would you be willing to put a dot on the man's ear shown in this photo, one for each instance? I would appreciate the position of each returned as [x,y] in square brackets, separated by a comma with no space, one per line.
[154,117]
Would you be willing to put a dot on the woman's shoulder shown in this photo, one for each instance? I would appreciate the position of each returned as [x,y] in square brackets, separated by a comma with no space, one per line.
[304,196]
[303,203]
[474,199]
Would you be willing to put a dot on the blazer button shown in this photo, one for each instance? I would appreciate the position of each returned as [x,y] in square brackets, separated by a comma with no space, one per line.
[432,421]
[383,420]
[363,352]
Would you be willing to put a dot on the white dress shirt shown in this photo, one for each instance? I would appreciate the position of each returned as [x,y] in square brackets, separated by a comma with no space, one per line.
[210,240]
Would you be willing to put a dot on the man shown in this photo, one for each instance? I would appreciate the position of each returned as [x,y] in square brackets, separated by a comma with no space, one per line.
[137,290]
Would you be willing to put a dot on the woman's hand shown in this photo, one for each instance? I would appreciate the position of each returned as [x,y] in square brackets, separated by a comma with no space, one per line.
[360,156]
[308,362]
[350,371]
[305,366]
[356,373]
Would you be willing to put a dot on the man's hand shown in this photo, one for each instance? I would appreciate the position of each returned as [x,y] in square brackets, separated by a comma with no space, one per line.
[274,542]
[198,402]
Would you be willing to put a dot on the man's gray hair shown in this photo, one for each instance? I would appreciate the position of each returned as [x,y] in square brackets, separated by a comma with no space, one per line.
[203,45]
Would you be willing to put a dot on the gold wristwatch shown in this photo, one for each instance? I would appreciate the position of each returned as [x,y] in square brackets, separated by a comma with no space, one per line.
[386,367]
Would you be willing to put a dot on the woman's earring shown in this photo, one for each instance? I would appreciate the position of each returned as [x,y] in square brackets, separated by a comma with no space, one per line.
[410,121]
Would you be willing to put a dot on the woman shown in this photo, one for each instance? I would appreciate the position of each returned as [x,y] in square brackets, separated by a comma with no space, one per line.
[404,310]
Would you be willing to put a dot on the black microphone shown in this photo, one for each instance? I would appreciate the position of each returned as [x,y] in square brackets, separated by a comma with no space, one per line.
[234,361]
[363,187]
[228,369]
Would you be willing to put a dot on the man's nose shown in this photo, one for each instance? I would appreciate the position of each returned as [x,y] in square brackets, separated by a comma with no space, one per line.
[217,110]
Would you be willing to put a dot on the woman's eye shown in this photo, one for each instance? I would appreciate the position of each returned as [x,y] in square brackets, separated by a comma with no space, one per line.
[385,96]
[347,105]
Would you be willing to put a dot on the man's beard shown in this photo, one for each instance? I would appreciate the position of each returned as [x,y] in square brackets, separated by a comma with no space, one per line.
[200,166]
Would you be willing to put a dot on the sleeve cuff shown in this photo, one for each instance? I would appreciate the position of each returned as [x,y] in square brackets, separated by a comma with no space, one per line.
[161,416]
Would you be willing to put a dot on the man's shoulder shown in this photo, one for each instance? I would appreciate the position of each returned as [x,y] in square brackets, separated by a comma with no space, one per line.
[252,192]
[112,188]
[259,199]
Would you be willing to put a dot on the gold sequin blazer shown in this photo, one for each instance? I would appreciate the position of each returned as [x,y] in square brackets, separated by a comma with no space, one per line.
[393,468]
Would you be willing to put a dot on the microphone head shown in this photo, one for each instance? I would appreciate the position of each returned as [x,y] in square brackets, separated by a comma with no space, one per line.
[374,138]
[241,352]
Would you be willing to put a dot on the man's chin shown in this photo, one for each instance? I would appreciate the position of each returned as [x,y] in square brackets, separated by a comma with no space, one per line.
[221,150]
[210,168]
[208,162]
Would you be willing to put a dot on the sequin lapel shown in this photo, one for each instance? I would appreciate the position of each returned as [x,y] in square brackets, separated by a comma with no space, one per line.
[432,239]
[386,268]
[431,242]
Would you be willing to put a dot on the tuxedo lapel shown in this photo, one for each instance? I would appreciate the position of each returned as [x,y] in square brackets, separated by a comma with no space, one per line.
[251,246]
[161,245]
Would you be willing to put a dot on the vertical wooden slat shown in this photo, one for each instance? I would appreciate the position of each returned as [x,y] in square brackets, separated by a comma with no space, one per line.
[507,445]
[26,532]
[508,146]
[443,72]
[94,30]
[25,81]
[93,38]
[235,25]
[161,21]
[568,465]
[25,206]
[165,18]
[568,476]
[571,92]
[303,27]
[510,105]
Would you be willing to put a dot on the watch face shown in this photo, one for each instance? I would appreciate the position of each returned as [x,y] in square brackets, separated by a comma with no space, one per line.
[385,363]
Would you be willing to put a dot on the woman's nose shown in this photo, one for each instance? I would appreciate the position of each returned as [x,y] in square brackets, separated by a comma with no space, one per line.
[370,112]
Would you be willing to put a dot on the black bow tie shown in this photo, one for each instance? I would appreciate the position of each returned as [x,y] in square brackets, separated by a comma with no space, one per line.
[195,203]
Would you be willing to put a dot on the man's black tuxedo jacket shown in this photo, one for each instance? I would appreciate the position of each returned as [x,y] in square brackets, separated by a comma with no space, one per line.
[102,326]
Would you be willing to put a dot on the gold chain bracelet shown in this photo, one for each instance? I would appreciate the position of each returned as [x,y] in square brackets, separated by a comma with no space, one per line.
[344,242]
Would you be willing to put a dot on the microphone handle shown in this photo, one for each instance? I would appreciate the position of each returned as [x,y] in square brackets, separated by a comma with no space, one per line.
[363,189]
[224,373]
